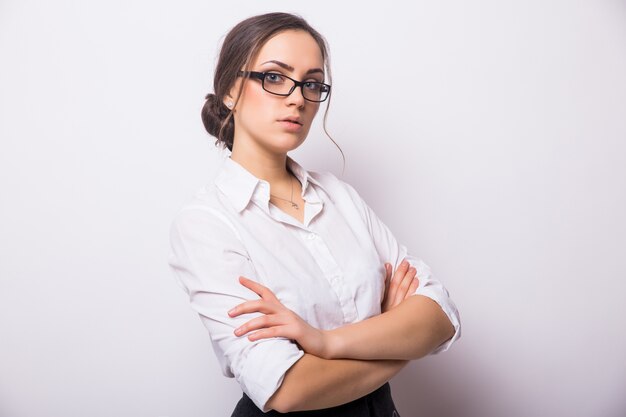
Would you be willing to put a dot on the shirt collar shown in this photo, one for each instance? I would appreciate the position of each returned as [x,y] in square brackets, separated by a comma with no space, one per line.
[240,185]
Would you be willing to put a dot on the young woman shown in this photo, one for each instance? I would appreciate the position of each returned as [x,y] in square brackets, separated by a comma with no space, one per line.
[309,300]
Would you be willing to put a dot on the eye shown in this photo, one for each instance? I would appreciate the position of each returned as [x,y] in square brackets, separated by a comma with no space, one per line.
[313,85]
[274,78]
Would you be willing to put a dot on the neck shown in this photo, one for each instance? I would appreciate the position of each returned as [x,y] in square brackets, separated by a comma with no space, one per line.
[264,165]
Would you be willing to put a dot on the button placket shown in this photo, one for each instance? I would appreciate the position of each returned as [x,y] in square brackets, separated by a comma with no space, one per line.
[332,273]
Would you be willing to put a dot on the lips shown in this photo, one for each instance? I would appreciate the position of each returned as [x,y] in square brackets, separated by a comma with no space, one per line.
[291,125]
[292,120]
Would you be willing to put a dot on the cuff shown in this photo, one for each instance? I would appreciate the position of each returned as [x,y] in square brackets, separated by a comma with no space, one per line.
[448,308]
[265,367]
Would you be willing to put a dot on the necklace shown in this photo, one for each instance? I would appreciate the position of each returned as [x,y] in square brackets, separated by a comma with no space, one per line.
[294,205]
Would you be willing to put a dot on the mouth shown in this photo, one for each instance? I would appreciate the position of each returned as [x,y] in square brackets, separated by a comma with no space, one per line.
[291,125]
[292,121]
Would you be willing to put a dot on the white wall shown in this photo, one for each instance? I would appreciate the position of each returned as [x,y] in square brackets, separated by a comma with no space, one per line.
[501,126]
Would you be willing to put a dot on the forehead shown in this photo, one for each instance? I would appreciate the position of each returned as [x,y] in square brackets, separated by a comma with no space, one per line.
[294,47]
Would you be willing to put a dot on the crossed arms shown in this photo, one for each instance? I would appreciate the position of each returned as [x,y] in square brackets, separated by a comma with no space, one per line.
[328,368]
[348,362]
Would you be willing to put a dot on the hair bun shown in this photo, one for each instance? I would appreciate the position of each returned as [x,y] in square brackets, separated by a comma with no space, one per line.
[214,114]
[217,106]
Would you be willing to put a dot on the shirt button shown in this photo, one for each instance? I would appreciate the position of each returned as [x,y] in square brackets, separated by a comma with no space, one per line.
[311,236]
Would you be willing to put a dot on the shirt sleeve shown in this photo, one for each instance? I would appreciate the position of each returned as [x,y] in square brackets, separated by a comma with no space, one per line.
[207,258]
[390,250]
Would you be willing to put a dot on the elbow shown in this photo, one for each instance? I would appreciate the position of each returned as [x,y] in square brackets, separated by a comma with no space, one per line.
[442,331]
[430,339]
[438,329]
[443,327]
[280,402]
[447,331]
[284,401]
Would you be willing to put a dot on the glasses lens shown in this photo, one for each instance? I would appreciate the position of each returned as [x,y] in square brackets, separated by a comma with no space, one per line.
[279,84]
[315,91]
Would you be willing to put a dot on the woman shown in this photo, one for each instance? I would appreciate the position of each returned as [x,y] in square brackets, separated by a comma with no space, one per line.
[310,302]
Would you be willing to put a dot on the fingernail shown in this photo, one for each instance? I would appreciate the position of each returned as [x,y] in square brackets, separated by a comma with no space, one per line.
[231,311]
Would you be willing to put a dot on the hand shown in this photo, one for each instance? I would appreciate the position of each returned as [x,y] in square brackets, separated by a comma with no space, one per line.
[401,286]
[277,321]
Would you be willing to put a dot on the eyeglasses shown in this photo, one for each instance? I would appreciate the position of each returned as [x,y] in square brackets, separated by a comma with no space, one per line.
[281,85]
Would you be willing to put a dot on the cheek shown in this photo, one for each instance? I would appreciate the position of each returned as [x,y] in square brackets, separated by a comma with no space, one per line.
[256,107]
[255,98]
[313,111]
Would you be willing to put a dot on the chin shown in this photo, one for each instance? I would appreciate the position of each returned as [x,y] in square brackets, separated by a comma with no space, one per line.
[286,143]
[286,146]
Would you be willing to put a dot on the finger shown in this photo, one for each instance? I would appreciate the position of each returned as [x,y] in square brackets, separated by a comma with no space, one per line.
[387,298]
[277,331]
[408,278]
[405,282]
[397,278]
[261,290]
[414,285]
[387,272]
[252,306]
[401,271]
[404,285]
[262,322]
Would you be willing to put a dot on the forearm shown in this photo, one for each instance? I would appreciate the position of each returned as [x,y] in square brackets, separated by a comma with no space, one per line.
[412,329]
[313,383]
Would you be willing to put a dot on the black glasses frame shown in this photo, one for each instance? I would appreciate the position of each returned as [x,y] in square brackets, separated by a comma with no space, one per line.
[261,76]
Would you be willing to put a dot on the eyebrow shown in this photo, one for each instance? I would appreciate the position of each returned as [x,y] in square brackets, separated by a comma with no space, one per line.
[290,68]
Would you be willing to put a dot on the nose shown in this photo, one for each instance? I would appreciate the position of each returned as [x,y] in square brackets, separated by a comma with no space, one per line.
[296,98]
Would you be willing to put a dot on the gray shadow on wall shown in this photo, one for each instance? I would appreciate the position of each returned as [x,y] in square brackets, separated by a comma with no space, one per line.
[446,385]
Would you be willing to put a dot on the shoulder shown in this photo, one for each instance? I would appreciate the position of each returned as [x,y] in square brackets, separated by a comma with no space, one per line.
[331,183]
[205,211]
[336,187]
[343,195]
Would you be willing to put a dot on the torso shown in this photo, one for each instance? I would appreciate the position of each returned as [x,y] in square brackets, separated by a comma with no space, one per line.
[286,207]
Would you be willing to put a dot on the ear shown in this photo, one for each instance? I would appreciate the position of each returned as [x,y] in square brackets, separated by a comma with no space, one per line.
[229,98]
[229,101]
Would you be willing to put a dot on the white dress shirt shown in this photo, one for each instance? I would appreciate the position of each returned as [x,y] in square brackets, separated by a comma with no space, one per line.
[329,270]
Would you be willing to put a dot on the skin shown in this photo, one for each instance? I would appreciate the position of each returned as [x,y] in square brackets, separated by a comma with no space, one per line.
[343,364]
[281,321]
[261,142]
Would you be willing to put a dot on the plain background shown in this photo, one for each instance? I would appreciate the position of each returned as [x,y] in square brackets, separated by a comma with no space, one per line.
[488,135]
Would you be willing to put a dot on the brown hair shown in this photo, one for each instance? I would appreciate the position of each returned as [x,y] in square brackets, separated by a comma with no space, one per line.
[240,46]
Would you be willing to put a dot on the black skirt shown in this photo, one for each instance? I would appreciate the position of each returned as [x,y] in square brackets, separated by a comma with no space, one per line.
[375,404]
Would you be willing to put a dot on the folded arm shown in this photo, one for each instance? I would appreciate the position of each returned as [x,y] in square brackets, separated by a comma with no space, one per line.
[411,330]
[313,383]
[426,322]
[411,327]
